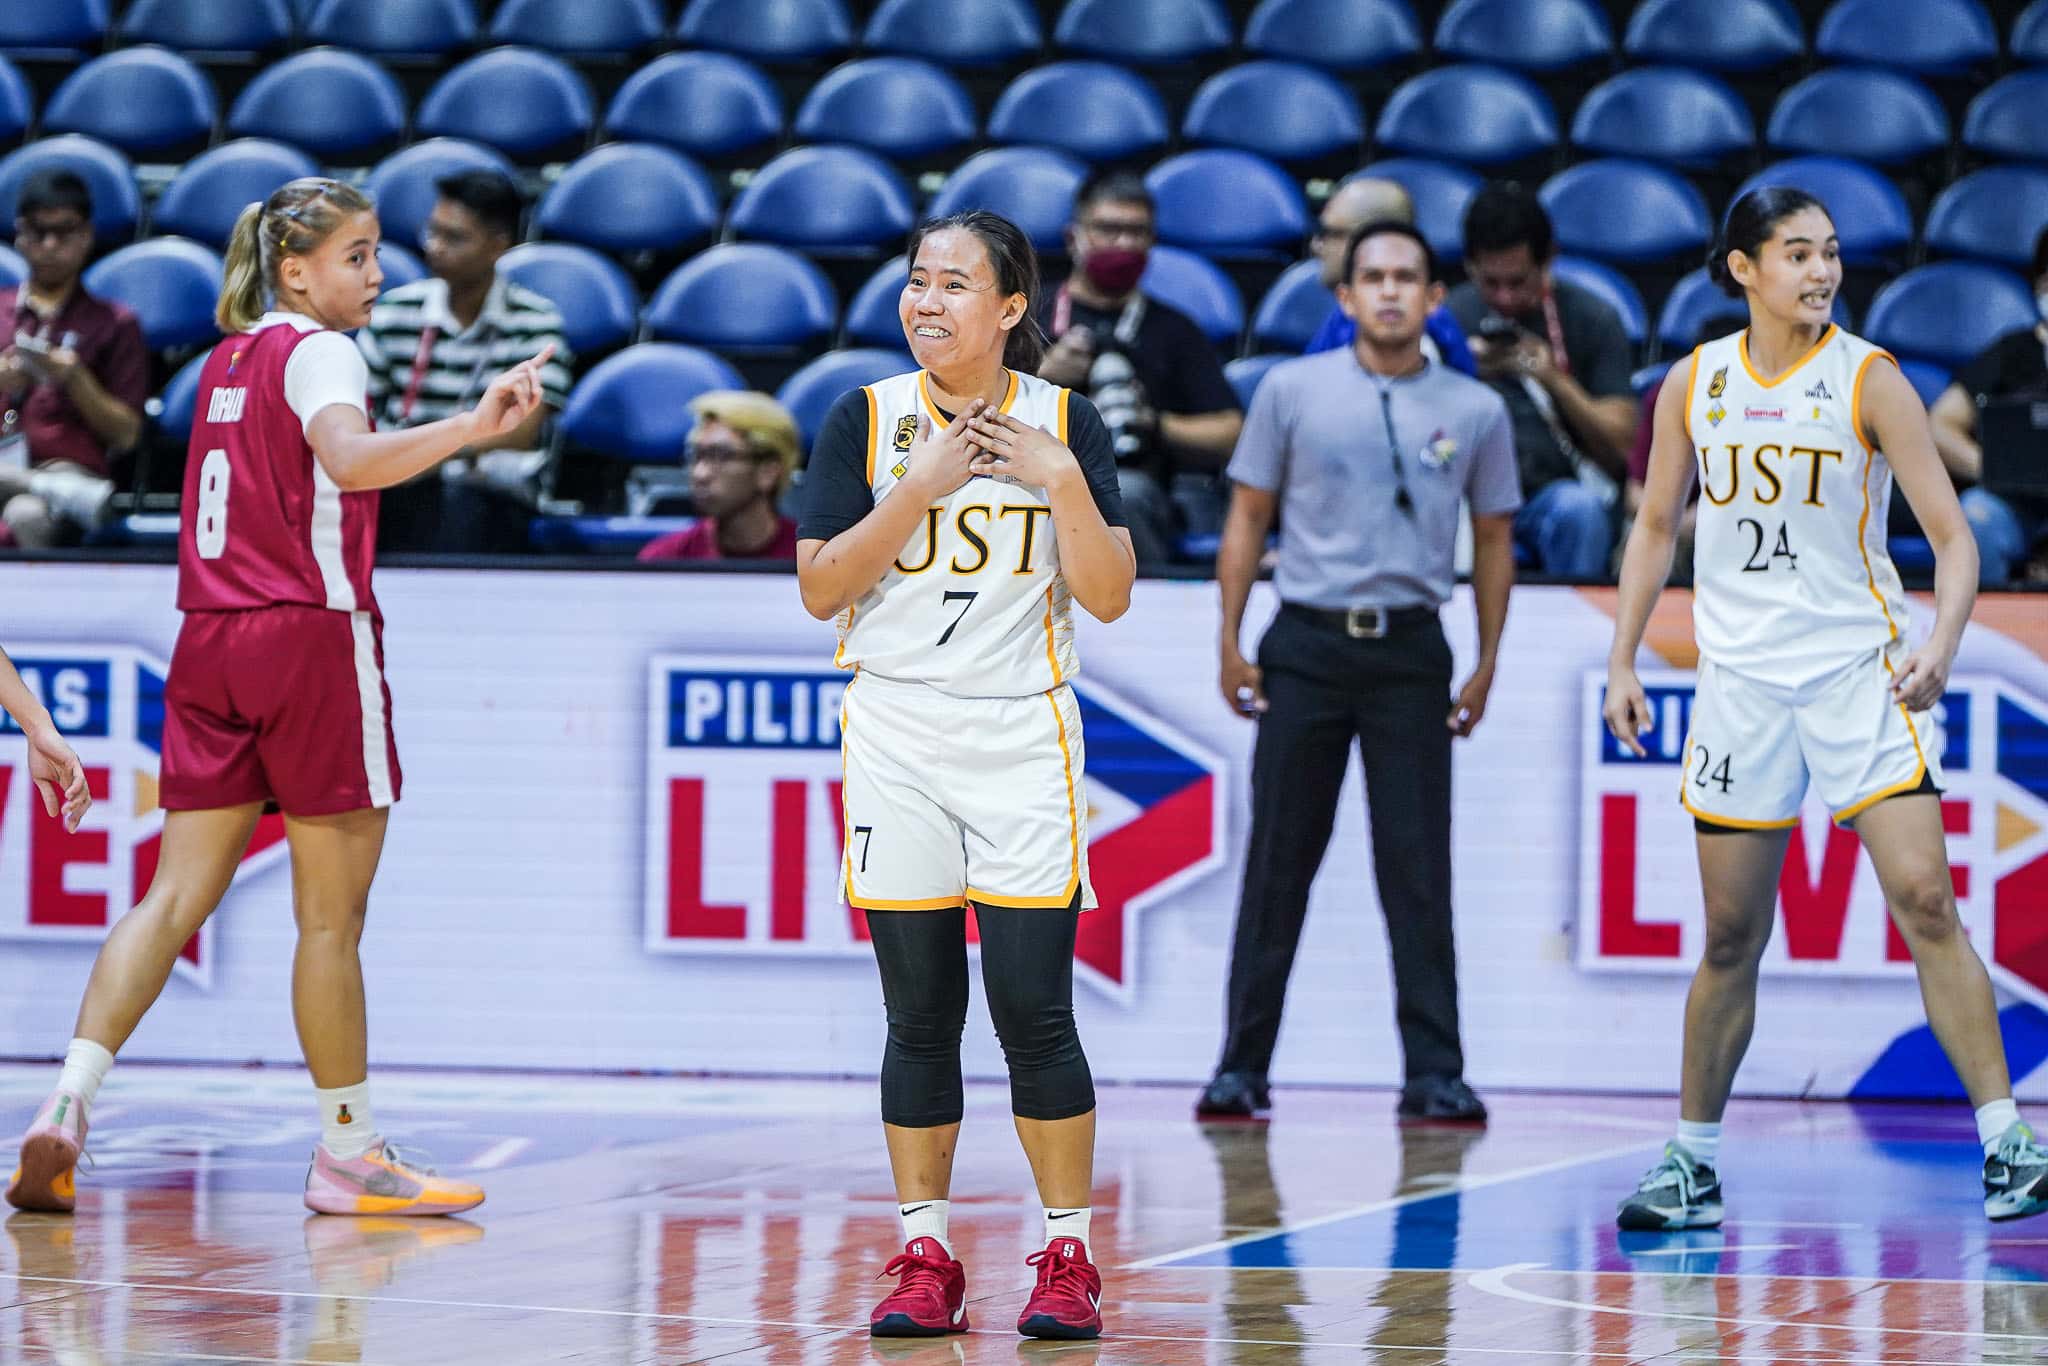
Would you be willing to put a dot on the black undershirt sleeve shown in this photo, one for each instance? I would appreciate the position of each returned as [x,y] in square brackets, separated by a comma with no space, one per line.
[1089,440]
[836,492]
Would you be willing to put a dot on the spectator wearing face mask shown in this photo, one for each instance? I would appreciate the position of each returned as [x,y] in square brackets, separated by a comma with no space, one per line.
[1172,416]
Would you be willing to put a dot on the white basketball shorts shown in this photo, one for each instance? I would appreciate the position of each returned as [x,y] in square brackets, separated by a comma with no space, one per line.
[952,799]
[1752,745]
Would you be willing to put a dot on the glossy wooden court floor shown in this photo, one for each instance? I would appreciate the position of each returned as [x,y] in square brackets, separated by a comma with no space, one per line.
[666,1220]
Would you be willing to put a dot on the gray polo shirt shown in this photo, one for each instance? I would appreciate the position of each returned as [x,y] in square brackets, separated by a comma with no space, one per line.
[1317,437]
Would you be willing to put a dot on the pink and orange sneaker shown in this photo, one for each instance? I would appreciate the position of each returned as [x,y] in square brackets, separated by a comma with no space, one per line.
[930,1298]
[383,1180]
[1067,1301]
[47,1179]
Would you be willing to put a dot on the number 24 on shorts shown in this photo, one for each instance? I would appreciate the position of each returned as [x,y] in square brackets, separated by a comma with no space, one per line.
[1708,771]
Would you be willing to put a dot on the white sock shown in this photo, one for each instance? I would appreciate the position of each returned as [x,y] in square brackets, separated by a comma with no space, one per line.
[1992,1122]
[1068,1223]
[1703,1141]
[347,1128]
[926,1219]
[85,1067]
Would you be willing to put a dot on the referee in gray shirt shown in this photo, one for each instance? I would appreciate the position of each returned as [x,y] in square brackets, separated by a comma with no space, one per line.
[1364,455]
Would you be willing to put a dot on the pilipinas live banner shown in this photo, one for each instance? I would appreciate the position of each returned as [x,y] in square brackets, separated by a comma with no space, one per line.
[621,830]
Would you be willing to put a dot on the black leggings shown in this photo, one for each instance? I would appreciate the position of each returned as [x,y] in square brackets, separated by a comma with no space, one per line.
[1027,968]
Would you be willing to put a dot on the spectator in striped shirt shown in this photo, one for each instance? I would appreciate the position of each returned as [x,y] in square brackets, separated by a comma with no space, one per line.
[435,345]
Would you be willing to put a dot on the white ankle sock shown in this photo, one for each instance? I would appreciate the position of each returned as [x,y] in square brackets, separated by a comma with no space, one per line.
[1068,1223]
[85,1067]
[926,1219]
[347,1128]
[1993,1120]
[1703,1141]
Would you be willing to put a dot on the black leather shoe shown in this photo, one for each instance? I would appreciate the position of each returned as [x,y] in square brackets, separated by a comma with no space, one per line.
[1440,1100]
[1234,1095]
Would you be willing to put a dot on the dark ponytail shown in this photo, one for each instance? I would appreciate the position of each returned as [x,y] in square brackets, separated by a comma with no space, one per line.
[1015,262]
[1751,221]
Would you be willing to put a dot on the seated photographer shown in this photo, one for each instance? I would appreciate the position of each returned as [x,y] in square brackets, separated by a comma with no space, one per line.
[1557,354]
[1148,369]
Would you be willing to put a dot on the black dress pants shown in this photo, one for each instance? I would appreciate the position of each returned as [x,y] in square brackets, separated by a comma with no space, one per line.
[1326,689]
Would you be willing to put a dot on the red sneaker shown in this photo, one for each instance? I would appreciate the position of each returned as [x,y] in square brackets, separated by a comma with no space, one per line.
[930,1298]
[1067,1301]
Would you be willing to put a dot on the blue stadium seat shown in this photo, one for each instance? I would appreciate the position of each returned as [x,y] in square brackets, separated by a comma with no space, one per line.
[180,396]
[588,28]
[396,29]
[956,33]
[335,104]
[1342,35]
[1931,37]
[900,107]
[709,104]
[116,203]
[1993,215]
[1645,376]
[1476,114]
[1870,214]
[773,31]
[1627,211]
[1096,111]
[1949,311]
[524,103]
[1691,302]
[1280,110]
[1867,113]
[1532,35]
[1929,380]
[810,393]
[250,26]
[871,316]
[1441,193]
[400,267]
[630,196]
[140,99]
[2029,40]
[1197,287]
[13,270]
[17,103]
[2006,120]
[1227,203]
[1293,309]
[742,297]
[52,30]
[1143,32]
[635,406]
[402,185]
[170,284]
[1033,187]
[1245,373]
[209,193]
[1718,35]
[824,199]
[1664,113]
[1613,288]
[302,11]
[600,308]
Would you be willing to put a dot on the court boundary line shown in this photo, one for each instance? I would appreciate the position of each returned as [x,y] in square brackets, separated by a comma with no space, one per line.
[1165,1260]
[1494,1281]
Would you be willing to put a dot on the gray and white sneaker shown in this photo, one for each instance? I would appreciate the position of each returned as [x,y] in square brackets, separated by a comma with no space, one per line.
[2016,1175]
[1677,1193]
[75,496]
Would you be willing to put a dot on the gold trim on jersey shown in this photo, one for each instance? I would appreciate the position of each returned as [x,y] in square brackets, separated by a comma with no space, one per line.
[1869,464]
[1742,350]
[874,431]
[1047,903]
[938,419]
[1065,394]
[1052,654]
[1691,383]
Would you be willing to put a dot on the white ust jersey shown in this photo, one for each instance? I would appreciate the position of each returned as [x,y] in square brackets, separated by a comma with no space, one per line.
[975,605]
[1791,574]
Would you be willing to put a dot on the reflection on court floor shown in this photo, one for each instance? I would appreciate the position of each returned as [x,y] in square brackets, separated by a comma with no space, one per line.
[672,1220]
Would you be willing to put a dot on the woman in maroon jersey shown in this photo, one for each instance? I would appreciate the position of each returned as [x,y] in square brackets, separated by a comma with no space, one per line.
[276,692]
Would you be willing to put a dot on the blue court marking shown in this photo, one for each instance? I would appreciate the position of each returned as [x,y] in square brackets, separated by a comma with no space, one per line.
[1847,1199]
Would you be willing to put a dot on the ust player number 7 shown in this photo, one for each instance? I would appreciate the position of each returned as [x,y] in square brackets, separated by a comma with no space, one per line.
[952,517]
[276,691]
[1796,429]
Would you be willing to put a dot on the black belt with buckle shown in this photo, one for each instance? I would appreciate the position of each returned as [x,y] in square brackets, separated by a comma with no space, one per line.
[1361,623]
